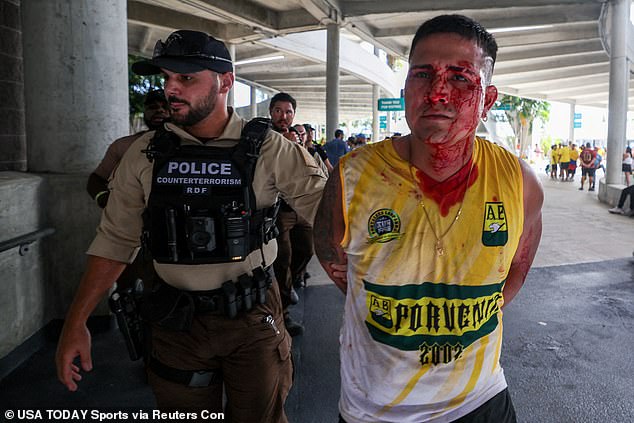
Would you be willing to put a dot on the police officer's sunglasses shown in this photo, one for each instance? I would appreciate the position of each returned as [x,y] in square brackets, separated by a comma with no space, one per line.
[175,46]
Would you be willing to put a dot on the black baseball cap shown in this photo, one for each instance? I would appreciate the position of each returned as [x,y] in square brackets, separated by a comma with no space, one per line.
[186,51]
[154,96]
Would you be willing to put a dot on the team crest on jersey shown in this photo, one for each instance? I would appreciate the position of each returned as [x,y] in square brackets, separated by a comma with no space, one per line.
[384,225]
[381,311]
[495,227]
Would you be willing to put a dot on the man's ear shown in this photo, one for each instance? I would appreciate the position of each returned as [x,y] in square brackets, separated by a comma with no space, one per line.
[226,82]
[490,95]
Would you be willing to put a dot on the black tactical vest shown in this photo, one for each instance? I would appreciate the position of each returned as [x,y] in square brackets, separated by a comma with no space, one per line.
[202,205]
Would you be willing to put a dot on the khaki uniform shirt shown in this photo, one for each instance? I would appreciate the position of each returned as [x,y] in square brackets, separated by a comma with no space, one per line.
[114,153]
[283,168]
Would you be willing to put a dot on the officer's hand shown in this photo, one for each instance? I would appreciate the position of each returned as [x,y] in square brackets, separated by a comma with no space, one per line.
[73,342]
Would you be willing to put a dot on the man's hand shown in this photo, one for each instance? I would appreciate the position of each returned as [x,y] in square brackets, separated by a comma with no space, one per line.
[101,273]
[290,135]
[73,342]
[339,274]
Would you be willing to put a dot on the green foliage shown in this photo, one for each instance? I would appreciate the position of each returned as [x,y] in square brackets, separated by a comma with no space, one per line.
[524,109]
[138,87]
[521,114]
[546,143]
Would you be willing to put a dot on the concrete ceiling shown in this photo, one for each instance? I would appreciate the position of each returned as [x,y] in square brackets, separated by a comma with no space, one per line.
[549,49]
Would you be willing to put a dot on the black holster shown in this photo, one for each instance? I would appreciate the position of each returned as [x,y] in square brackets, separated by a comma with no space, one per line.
[169,308]
[174,309]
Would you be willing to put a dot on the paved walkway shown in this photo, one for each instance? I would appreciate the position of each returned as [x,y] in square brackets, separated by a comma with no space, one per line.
[567,350]
[577,227]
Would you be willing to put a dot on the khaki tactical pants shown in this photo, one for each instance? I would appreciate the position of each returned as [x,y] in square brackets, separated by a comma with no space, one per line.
[255,363]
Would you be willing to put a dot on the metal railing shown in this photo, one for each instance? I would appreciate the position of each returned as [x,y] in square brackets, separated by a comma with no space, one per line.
[25,240]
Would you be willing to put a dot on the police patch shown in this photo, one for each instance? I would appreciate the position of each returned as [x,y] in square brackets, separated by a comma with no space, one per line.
[495,229]
[198,176]
[384,225]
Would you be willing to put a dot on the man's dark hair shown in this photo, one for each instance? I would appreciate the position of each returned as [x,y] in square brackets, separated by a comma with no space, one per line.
[282,97]
[338,133]
[461,25]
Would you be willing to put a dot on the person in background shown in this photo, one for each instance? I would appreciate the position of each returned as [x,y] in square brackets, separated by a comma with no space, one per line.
[295,238]
[626,165]
[282,111]
[564,161]
[313,147]
[155,113]
[620,207]
[554,159]
[572,166]
[587,159]
[360,140]
[598,163]
[336,148]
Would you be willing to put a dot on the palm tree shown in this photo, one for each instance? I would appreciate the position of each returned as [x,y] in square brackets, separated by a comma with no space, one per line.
[521,113]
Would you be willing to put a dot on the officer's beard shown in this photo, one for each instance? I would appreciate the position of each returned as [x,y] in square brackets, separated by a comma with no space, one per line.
[196,112]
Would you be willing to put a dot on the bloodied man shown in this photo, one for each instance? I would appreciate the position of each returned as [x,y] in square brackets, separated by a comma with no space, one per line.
[429,235]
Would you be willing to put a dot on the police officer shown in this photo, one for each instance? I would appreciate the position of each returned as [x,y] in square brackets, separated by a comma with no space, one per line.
[295,238]
[190,193]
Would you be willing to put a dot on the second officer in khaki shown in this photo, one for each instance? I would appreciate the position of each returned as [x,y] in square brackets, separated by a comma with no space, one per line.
[203,198]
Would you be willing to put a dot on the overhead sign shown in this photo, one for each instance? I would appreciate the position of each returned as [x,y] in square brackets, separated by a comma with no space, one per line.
[391,104]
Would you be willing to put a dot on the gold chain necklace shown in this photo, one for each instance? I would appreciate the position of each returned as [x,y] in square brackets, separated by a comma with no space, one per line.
[440,249]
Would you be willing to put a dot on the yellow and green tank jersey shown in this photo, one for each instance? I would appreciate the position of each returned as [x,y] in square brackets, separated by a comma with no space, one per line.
[422,332]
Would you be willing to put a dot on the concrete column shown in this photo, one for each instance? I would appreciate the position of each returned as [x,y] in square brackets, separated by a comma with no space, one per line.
[76,81]
[254,102]
[76,92]
[332,80]
[231,95]
[571,128]
[12,129]
[376,93]
[619,85]
[376,90]
[388,128]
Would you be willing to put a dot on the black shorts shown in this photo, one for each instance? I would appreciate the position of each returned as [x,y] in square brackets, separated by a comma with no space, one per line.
[498,409]
[563,165]
[588,171]
[627,168]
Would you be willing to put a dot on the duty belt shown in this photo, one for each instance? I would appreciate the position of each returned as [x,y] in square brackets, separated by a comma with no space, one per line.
[232,297]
